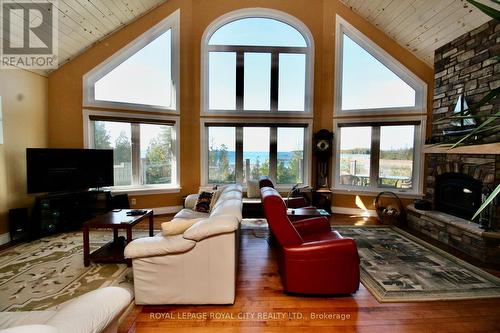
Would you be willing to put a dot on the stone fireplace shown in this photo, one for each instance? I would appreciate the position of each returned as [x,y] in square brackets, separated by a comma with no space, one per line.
[456,183]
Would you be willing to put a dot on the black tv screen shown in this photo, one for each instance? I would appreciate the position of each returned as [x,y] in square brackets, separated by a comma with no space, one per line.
[66,170]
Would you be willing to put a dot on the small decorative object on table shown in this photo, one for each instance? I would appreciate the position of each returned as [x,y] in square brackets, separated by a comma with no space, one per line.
[393,214]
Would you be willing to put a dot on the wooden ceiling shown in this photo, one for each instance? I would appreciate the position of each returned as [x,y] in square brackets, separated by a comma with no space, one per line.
[421,26]
[418,25]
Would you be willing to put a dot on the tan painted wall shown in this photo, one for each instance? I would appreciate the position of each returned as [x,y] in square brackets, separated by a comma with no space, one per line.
[65,84]
[25,111]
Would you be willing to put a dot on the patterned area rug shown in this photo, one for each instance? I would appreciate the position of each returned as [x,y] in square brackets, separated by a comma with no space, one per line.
[398,267]
[50,271]
[250,224]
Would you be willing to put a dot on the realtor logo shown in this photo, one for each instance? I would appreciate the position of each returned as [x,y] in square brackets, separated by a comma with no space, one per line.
[29,34]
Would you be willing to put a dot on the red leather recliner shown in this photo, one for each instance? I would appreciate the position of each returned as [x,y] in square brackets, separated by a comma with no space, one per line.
[298,202]
[312,259]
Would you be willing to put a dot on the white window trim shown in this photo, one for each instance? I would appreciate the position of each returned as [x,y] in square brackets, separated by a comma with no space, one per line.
[265,123]
[90,78]
[263,13]
[420,87]
[418,143]
[139,189]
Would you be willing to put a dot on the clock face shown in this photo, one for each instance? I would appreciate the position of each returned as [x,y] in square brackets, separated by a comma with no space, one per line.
[323,145]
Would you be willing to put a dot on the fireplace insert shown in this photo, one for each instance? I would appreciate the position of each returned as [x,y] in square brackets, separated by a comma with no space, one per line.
[457,194]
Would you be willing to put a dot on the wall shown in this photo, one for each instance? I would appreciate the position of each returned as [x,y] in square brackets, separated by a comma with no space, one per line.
[65,84]
[467,65]
[25,111]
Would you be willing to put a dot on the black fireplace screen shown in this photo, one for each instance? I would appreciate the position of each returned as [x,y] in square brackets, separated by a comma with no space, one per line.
[457,194]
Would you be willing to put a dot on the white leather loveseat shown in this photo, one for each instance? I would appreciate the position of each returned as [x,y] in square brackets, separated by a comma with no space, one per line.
[195,267]
[94,312]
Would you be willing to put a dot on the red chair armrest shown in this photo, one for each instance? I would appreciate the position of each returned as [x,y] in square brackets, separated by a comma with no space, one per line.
[312,225]
[337,247]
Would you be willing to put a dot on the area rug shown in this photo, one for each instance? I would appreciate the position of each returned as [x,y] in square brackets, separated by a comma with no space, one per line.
[398,267]
[50,271]
[258,223]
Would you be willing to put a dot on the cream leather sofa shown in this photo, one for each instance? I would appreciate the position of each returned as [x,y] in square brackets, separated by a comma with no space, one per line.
[196,267]
[94,312]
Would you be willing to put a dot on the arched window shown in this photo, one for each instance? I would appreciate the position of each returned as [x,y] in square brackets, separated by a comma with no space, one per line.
[257,61]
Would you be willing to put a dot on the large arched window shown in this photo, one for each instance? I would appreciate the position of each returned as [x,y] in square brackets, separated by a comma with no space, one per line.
[256,64]
[257,61]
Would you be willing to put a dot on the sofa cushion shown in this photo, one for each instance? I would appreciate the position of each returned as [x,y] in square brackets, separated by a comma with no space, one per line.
[158,246]
[211,227]
[228,195]
[228,207]
[190,214]
[31,329]
[232,187]
[253,189]
[93,311]
[18,318]
[177,226]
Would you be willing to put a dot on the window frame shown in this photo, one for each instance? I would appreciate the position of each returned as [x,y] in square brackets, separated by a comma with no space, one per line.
[418,160]
[90,78]
[139,189]
[257,13]
[204,144]
[420,87]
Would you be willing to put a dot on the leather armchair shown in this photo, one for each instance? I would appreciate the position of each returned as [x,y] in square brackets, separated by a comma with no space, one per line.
[297,202]
[312,258]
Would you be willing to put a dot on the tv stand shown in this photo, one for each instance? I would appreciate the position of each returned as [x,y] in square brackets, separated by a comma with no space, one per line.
[60,212]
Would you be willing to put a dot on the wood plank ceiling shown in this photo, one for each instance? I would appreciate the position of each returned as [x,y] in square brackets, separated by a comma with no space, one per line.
[421,26]
[82,23]
[418,25]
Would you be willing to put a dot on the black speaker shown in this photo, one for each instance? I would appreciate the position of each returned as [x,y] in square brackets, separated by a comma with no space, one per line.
[18,223]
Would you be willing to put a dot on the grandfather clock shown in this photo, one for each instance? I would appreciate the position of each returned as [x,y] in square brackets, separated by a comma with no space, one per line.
[322,140]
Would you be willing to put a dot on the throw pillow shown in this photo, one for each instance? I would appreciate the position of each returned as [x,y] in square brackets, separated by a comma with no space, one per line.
[204,202]
[177,226]
[215,197]
[253,190]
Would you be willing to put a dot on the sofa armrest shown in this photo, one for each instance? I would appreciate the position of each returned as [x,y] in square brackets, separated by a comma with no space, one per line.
[157,246]
[31,329]
[91,312]
[312,225]
[190,201]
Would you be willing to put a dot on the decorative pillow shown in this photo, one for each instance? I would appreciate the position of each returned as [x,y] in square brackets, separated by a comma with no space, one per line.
[215,197]
[204,202]
[177,226]
[253,190]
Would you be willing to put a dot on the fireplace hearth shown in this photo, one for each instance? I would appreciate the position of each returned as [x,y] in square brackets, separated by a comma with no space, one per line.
[457,194]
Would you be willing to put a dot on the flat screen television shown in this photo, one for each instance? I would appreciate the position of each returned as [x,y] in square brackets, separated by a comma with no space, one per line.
[68,170]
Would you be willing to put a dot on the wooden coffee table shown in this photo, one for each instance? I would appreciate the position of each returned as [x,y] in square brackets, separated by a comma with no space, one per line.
[112,251]
[296,214]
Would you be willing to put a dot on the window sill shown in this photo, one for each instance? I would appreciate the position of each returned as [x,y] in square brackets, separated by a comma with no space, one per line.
[374,192]
[144,190]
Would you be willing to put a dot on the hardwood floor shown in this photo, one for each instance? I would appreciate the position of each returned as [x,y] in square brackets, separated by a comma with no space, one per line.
[259,293]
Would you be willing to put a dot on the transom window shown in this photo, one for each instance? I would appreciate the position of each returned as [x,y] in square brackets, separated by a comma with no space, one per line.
[257,65]
[238,152]
[144,75]
[370,81]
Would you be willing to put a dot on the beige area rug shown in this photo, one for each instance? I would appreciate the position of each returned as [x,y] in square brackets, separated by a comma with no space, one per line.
[250,224]
[50,271]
